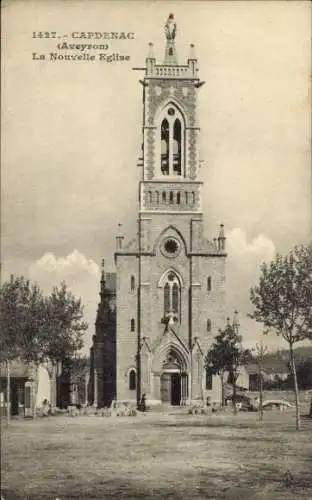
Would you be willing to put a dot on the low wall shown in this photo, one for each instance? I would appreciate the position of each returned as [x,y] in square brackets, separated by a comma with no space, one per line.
[304,396]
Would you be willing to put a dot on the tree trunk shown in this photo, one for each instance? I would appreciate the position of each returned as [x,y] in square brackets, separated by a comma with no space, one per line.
[234,396]
[8,397]
[86,388]
[52,376]
[296,391]
[260,394]
[222,390]
[36,387]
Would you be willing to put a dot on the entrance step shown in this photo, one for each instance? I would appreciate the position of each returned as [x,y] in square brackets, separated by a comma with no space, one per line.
[165,408]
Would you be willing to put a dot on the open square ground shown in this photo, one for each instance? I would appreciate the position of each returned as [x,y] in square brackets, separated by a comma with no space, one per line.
[158,456]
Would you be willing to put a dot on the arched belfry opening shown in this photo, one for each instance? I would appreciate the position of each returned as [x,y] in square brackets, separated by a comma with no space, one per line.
[172,139]
[165,147]
[177,147]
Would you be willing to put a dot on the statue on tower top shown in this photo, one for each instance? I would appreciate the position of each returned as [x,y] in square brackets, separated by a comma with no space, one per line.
[170,28]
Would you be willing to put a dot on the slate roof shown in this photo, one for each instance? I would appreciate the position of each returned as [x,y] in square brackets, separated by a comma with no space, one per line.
[252,368]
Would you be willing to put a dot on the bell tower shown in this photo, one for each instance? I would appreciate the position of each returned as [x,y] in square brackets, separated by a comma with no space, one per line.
[170,170]
[170,279]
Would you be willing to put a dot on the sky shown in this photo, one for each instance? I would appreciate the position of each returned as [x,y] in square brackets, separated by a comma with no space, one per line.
[71,136]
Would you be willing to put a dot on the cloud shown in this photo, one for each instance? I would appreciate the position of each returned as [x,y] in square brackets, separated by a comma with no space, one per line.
[243,267]
[73,263]
[244,260]
[260,249]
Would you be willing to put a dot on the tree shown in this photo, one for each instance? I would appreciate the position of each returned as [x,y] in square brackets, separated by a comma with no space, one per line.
[226,355]
[78,369]
[61,333]
[260,351]
[282,301]
[237,355]
[20,318]
[38,329]
[215,360]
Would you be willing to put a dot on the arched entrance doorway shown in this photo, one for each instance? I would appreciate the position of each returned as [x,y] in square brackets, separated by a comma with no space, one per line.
[173,382]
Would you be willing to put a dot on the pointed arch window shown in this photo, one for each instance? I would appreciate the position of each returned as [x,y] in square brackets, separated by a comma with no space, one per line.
[164,196]
[172,296]
[199,367]
[132,380]
[132,283]
[177,147]
[209,283]
[208,379]
[165,147]
[172,137]
[178,198]
[171,197]
[208,325]
[132,325]
[166,298]
[175,298]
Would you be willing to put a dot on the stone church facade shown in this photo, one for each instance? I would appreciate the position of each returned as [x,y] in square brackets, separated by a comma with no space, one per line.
[159,313]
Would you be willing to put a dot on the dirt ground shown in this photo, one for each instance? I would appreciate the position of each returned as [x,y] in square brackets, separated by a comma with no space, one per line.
[158,456]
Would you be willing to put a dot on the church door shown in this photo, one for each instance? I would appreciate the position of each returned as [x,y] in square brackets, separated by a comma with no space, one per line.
[175,389]
[165,388]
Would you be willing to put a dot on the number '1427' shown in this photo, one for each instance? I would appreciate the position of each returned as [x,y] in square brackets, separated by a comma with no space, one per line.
[44,34]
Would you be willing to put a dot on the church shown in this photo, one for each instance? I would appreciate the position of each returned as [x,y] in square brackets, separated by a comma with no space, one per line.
[158,313]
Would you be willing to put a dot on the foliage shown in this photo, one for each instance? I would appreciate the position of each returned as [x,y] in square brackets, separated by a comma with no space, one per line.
[283,298]
[283,301]
[226,355]
[61,335]
[21,305]
[37,328]
[217,357]
[77,367]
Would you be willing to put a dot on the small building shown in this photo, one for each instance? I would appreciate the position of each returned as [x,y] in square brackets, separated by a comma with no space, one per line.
[30,385]
[249,376]
[276,371]
[23,375]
